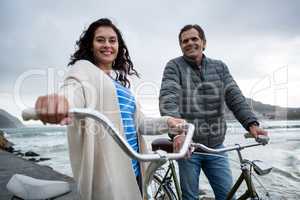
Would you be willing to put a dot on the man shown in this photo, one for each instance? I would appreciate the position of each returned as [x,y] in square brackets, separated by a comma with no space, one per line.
[196,88]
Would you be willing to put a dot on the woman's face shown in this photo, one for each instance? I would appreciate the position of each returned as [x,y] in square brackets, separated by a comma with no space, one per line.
[105,46]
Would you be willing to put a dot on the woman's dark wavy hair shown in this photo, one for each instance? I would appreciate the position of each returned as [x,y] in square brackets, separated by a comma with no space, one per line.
[123,65]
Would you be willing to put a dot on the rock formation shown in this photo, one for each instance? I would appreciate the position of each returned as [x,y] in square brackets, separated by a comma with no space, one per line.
[9,121]
[4,143]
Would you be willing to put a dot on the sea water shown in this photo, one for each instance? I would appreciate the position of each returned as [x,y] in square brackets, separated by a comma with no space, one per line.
[283,153]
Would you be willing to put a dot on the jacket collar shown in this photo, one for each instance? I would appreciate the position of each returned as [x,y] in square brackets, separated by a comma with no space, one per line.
[193,63]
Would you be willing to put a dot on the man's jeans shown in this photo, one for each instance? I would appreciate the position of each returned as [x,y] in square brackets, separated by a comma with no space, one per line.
[216,169]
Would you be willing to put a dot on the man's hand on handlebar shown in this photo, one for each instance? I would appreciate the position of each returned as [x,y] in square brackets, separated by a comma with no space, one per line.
[53,109]
[260,135]
[255,131]
[176,125]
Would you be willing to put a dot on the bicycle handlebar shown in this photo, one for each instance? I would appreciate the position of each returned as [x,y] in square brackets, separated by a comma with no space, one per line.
[157,159]
[260,140]
[31,114]
[125,146]
[263,139]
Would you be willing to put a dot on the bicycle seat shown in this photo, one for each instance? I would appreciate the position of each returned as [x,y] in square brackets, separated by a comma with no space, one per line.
[164,144]
[261,168]
[26,187]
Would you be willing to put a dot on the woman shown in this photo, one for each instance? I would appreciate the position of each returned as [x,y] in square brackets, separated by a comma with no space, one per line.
[100,168]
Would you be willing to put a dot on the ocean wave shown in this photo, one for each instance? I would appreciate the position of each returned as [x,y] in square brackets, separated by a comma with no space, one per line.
[57,148]
[47,149]
[281,126]
[34,132]
[286,174]
[34,129]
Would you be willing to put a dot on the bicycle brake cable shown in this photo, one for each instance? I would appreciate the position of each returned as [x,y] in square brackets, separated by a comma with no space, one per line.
[217,155]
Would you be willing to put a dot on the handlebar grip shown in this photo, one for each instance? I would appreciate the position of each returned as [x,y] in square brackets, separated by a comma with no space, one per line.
[263,139]
[248,135]
[29,114]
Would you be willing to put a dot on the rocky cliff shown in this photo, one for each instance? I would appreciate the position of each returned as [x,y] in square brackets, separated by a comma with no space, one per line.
[267,111]
[9,121]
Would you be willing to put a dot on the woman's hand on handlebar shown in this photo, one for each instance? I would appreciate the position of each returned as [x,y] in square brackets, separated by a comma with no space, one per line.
[53,109]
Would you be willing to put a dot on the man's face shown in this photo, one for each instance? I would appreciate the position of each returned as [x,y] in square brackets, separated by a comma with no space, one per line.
[191,44]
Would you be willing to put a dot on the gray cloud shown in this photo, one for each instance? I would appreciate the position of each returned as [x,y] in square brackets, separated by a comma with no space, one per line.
[39,34]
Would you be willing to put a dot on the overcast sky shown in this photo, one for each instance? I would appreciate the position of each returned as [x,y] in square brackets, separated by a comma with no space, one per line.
[258,40]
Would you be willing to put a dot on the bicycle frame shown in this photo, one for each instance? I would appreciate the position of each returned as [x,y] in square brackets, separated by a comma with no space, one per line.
[171,174]
[246,166]
[245,175]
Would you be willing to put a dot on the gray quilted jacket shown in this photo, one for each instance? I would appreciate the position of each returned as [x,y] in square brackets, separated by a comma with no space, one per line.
[198,94]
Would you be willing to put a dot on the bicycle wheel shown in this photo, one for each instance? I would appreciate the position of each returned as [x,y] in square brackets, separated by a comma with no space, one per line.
[161,190]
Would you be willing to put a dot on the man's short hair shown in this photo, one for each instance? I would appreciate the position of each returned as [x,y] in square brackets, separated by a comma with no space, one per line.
[190,26]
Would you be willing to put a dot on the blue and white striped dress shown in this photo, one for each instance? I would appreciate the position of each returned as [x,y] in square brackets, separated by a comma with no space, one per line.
[127,107]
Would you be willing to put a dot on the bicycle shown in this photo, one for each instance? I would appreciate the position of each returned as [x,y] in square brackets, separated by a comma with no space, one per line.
[28,188]
[165,179]
[168,184]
